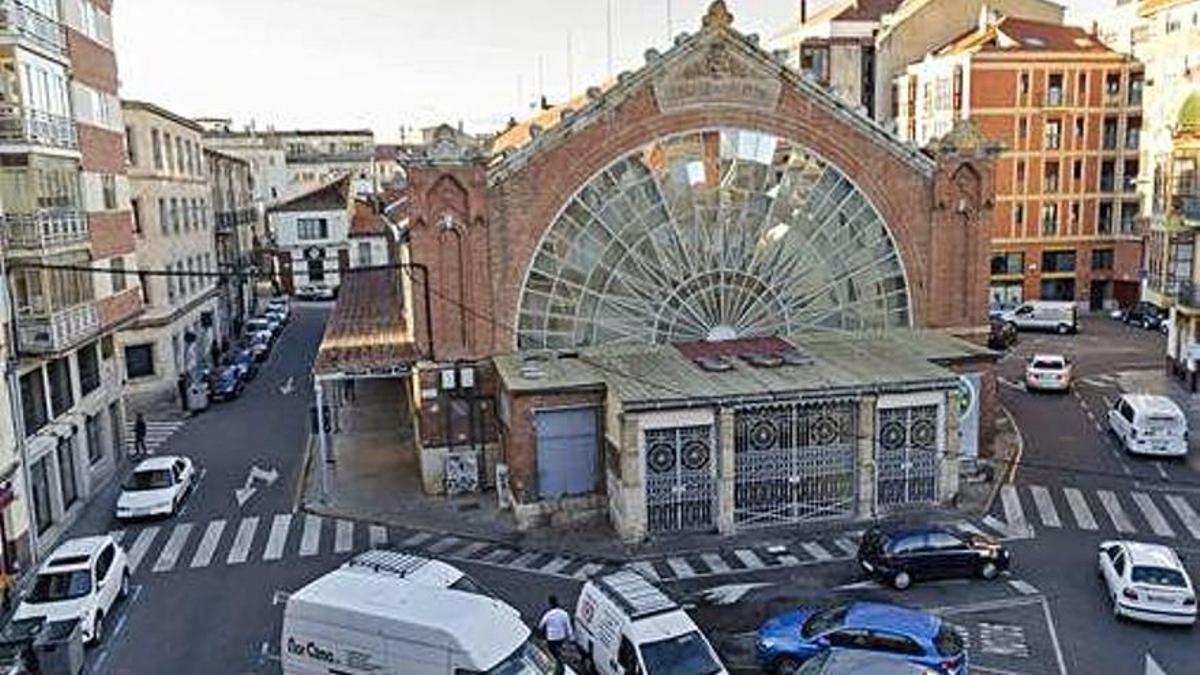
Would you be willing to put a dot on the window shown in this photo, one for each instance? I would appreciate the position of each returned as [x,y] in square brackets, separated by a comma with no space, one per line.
[156,148]
[170,283]
[1053,134]
[179,159]
[114,425]
[1077,169]
[1054,90]
[1058,261]
[1110,133]
[104,561]
[1133,133]
[169,154]
[135,206]
[66,470]
[108,186]
[1112,84]
[1074,213]
[1102,259]
[130,146]
[894,644]
[89,369]
[175,215]
[1136,83]
[1108,175]
[312,228]
[1019,213]
[1024,83]
[815,60]
[164,216]
[1049,220]
[1129,213]
[62,397]
[1082,86]
[118,274]
[1050,177]
[1129,174]
[316,271]
[139,361]
[1119,563]
[1079,129]
[1022,128]
[1104,218]
[91,427]
[1012,262]
[33,401]
[39,478]
[1020,171]
[364,253]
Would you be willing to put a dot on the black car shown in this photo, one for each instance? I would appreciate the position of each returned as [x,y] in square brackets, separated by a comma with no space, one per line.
[1146,315]
[227,384]
[900,556]
[1001,335]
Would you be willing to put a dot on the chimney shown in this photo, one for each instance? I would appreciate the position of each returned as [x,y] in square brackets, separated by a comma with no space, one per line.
[803,11]
[545,105]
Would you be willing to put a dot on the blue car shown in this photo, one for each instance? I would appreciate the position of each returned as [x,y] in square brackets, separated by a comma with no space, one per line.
[788,640]
[246,363]
[227,385]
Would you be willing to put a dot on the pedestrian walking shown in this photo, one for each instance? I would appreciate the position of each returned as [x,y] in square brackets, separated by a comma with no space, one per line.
[139,436]
[556,628]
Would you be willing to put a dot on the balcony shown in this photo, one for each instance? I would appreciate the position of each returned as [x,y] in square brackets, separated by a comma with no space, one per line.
[45,230]
[18,125]
[26,22]
[58,331]
[1187,294]
[227,220]
[314,157]
[1187,206]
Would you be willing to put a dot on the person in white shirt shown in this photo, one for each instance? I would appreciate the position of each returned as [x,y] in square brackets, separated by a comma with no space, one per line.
[556,627]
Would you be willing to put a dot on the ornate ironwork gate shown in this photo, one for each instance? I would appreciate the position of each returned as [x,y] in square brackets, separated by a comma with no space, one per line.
[907,461]
[794,463]
[679,479]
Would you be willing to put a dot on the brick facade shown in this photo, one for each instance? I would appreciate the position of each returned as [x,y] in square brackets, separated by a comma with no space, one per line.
[119,308]
[92,63]
[112,233]
[103,150]
[521,433]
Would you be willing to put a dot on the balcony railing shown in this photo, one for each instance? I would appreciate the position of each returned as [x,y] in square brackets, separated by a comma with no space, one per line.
[16,17]
[1188,207]
[1187,293]
[322,157]
[45,229]
[19,125]
[58,331]
[227,220]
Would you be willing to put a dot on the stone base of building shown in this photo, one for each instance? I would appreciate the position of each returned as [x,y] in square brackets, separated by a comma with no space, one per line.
[560,512]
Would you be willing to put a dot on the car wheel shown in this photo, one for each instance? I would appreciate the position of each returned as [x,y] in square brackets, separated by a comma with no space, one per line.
[98,628]
[786,665]
[901,581]
[124,592]
[989,570]
[1063,329]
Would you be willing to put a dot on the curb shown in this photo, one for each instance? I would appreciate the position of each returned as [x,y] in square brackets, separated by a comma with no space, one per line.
[302,481]
[1013,462]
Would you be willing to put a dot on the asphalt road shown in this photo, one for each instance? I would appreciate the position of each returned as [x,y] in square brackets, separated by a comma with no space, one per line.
[205,609]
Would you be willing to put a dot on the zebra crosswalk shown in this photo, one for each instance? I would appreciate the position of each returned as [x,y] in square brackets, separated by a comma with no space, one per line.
[157,434]
[1141,512]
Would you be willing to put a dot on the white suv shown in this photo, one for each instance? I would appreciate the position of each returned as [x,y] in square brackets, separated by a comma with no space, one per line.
[83,579]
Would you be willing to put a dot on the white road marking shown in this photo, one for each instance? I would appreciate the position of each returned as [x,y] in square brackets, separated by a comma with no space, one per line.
[377,534]
[208,543]
[1152,667]
[1153,516]
[1162,471]
[1186,514]
[555,564]
[722,596]
[646,569]
[846,545]
[1014,514]
[1112,506]
[681,568]
[471,549]
[417,539]
[117,535]
[816,550]
[496,555]
[140,546]
[748,559]
[444,544]
[310,541]
[277,540]
[174,546]
[1045,506]
[788,559]
[1079,509]
[242,541]
[343,536]
[524,559]
[1023,587]
[587,570]
[714,562]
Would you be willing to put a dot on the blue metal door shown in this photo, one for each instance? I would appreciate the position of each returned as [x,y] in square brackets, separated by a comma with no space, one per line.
[567,450]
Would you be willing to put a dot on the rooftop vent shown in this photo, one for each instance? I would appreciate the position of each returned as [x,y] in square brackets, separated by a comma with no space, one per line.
[714,364]
[533,366]
[796,358]
[763,360]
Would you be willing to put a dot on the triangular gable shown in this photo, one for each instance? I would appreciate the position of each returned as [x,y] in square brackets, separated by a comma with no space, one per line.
[328,197]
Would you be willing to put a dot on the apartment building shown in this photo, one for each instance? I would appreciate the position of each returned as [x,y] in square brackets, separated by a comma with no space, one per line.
[262,150]
[65,195]
[174,230]
[317,157]
[241,251]
[312,236]
[1067,110]
[857,48]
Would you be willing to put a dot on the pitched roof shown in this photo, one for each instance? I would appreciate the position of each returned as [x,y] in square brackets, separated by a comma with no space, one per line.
[367,330]
[521,133]
[365,222]
[328,197]
[1010,33]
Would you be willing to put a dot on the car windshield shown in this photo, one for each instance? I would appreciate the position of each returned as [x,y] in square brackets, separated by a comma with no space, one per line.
[822,622]
[529,659]
[58,586]
[686,654]
[1048,364]
[1158,576]
[148,479]
[948,641]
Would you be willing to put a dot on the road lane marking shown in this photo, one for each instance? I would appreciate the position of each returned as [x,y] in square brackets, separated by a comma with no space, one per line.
[524,559]
[1153,516]
[555,565]
[242,541]
[497,555]
[208,543]
[816,550]
[444,544]
[471,549]
[1045,506]
[117,535]
[140,546]
[681,568]
[587,570]
[751,561]
[343,536]
[1162,471]
[1023,587]
[1014,513]
[310,541]
[846,545]
[714,562]
[1112,506]
[417,539]
[788,559]
[277,539]
[170,552]
[1186,514]
[647,570]
[1079,509]
[377,535]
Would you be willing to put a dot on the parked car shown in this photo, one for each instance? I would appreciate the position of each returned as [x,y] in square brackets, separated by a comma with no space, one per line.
[260,346]
[900,556]
[274,324]
[1146,424]
[1060,317]
[1145,314]
[1147,582]
[854,662]
[281,312]
[1048,372]
[246,364]
[258,326]
[788,640]
[227,384]
[83,579]
[156,487]
[315,292]
[278,301]
[1001,335]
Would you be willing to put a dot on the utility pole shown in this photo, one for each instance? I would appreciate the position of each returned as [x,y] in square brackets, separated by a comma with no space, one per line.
[610,38]
[670,25]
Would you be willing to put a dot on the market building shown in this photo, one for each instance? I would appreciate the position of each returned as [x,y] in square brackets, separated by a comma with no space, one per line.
[711,268]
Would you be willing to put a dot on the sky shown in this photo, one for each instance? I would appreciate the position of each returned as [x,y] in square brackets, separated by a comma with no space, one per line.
[384,64]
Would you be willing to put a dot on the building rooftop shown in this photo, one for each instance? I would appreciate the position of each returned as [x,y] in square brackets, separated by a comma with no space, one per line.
[366,222]
[1013,34]
[367,332]
[328,197]
[153,109]
[828,364]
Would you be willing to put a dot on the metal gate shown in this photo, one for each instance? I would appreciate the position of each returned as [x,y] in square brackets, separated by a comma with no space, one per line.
[907,462]
[679,479]
[794,463]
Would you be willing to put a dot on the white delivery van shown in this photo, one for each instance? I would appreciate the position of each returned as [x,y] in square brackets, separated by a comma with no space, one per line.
[1149,425]
[389,613]
[624,625]
[1059,317]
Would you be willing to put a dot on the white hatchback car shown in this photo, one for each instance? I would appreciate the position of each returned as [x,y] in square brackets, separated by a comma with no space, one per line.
[83,579]
[156,487]
[1048,372]
[1147,582]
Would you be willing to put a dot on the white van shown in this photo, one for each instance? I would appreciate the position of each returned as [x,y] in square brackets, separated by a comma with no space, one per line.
[1059,317]
[1149,425]
[626,626]
[389,613]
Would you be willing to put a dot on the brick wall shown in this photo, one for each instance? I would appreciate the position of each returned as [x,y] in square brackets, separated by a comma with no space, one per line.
[112,234]
[120,307]
[519,439]
[91,63]
[103,150]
